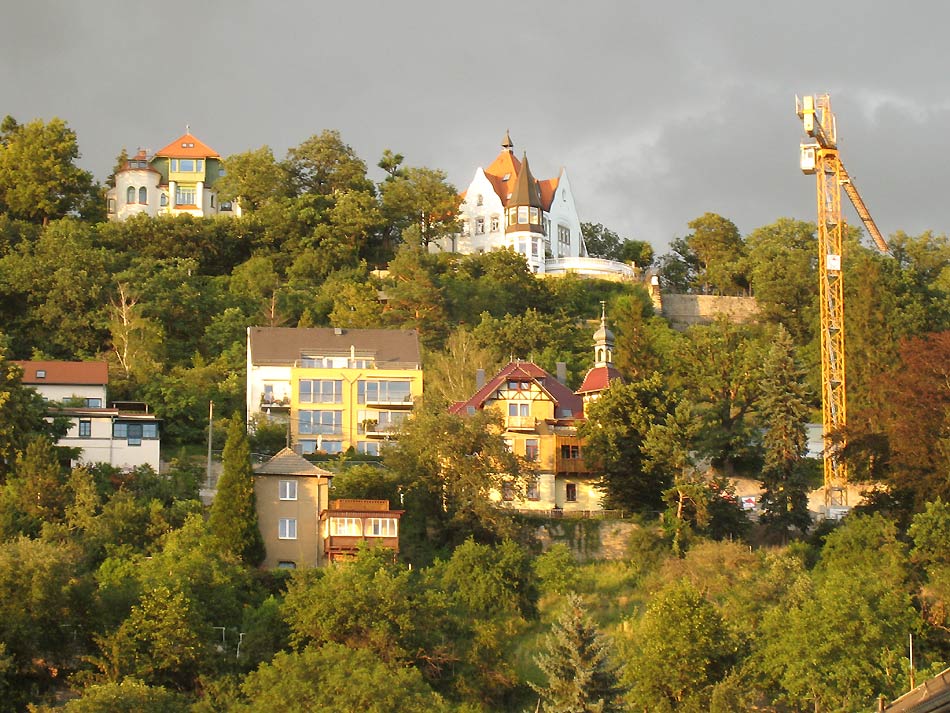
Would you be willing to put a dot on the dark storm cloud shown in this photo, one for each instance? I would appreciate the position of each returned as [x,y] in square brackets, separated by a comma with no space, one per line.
[660,112]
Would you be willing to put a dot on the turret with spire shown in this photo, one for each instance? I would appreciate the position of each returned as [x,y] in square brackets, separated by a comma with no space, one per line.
[604,371]
[525,209]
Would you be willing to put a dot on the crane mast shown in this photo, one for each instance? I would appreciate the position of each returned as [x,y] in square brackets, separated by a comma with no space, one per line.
[821,158]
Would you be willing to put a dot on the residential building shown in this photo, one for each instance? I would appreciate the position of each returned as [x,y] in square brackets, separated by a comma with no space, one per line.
[175,180]
[122,434]
[349,524]
[300,525]
[290,494]
[335,388]
[505,206]
[541,415]
[540,425]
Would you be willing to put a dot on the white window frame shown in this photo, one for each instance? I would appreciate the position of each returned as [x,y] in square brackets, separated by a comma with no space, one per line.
[287,528]
[287,489]
[381,527]
[346,526]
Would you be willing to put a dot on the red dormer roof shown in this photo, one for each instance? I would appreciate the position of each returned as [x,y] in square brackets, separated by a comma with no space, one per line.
[187,146]
[562,396]
[65,372]
[138,162]
[599,378]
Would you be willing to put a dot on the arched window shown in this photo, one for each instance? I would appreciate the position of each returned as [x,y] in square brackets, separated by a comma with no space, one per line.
[130,195]
[143,195]
[163,200]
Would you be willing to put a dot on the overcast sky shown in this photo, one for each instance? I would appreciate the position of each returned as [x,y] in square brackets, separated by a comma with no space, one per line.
[659,111]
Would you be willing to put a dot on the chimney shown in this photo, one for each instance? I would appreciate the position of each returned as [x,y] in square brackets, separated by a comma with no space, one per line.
[561,368]
[479,378]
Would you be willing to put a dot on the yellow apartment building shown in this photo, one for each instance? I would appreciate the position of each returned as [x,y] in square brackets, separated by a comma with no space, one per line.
[336,388]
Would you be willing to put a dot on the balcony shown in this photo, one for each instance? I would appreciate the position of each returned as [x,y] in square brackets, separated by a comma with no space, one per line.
[374,429]
[273,403]
[521,423]
[571,466]
[405,401]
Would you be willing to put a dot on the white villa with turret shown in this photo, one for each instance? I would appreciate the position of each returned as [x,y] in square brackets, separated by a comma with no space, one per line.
[505,206]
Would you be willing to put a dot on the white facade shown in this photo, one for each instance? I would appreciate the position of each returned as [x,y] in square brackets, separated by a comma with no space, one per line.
[557,248]
[122,440]
[268,389]
[564,231]
[136,191]
[482,216]
[90,395]
[77,391]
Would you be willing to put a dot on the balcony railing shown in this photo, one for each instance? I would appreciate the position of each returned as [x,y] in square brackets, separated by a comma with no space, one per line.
[275,403]
[379,430]
[571,465]
[521,423]
[406,401]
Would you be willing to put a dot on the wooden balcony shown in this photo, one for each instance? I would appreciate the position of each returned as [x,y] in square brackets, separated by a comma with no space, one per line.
[571,466]
[341,547]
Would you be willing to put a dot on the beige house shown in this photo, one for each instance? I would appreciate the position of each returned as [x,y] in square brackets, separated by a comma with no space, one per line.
[291,493]
[302,528]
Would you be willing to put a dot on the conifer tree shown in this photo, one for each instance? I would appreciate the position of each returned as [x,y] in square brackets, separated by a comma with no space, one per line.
[576,660]
[784,412]
[233,513]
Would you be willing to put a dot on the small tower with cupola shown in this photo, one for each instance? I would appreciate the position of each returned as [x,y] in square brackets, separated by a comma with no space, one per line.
[603,372]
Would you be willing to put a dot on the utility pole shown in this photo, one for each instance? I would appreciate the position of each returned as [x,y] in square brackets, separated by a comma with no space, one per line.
[210,434]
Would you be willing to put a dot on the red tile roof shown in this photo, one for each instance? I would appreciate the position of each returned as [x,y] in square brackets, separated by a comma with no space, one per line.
[548,189]
[187,146]
[505,164]
[65,372]
[599,378]
[562,396]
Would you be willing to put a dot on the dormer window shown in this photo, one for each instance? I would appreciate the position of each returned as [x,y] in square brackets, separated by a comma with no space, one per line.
[187,144]
[505,178]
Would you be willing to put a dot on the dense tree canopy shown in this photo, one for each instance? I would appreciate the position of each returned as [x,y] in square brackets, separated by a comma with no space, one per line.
[119,592]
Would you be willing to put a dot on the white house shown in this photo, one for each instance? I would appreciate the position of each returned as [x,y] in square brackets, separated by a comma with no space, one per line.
[178,179]
[124,435]
[505,206]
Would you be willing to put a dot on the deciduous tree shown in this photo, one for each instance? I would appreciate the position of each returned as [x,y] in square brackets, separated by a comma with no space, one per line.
[253,178]
[39,179]
[615,431]
[324,163]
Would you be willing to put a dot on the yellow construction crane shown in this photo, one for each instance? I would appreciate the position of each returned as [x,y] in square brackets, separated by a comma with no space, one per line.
[820,157]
